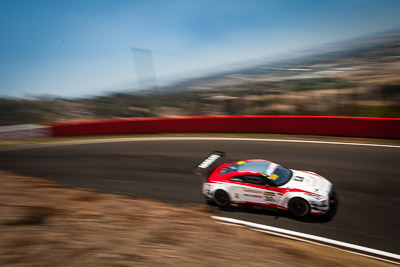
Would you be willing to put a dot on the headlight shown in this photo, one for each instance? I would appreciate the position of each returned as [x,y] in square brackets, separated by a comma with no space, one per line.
[315,196]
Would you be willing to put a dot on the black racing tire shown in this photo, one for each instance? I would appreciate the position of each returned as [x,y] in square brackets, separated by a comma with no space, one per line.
[209,201]
[299,207]
[221,198]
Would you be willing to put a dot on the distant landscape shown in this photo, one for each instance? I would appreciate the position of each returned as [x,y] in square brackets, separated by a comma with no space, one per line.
[356,78]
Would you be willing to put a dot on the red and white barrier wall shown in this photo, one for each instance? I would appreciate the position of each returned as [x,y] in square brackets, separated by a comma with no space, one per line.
[24,131]
[305,125]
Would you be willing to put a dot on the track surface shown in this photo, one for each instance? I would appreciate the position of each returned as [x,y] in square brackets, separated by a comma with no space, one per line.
[367,179]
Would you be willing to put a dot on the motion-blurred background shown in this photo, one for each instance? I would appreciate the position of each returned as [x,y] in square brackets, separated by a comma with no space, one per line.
[78,60]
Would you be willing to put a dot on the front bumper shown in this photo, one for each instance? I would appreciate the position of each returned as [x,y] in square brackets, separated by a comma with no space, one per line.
[333,201]
[327,206]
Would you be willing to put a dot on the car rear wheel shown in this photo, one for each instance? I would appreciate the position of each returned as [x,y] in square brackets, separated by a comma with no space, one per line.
[222,198]
[299,207]
[209,201]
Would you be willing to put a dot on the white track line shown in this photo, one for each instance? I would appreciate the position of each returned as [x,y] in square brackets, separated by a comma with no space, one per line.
[147,139]
[318,239]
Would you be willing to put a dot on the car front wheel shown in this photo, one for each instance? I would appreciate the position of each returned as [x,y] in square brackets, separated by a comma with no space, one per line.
[222,198]
[299,207]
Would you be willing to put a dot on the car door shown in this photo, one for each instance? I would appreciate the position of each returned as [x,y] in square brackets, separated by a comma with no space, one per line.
[243,192]
[248,189]
[264,193]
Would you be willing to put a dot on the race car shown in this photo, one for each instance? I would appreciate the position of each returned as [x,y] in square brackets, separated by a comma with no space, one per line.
[259,182]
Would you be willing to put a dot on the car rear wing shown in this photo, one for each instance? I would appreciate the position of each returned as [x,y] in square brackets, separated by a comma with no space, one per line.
[207,164]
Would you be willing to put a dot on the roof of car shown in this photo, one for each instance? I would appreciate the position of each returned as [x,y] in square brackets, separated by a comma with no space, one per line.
[252,165]
[259,166]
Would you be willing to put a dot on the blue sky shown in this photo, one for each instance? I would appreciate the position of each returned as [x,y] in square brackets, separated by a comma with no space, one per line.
[76,48]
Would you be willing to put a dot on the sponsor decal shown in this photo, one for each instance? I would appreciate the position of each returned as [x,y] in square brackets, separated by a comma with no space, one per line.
[269,199]
[250,195]
[208,161]
[299,178]
[240,162]
[269,194]
[236,195]
[252,191]
[271,168]
[273,177]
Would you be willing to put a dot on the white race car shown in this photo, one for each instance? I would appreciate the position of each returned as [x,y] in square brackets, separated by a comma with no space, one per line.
[259,182]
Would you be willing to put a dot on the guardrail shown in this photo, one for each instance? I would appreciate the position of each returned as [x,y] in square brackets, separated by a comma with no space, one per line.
[24,131]
[304,125]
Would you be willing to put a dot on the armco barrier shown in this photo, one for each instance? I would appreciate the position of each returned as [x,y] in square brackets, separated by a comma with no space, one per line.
[305,125]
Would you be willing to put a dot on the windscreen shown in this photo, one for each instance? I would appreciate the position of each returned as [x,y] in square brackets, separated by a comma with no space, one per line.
[280,176]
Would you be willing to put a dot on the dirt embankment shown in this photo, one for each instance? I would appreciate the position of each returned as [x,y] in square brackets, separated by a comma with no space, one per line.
[43,224]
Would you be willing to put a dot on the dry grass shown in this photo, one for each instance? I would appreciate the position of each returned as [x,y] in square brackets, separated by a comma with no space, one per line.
[43,224]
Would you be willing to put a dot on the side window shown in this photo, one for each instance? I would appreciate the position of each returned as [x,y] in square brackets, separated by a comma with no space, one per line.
[254,179]
[237,179]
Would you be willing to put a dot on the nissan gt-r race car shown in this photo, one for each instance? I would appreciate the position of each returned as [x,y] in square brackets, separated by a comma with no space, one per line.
[258,182]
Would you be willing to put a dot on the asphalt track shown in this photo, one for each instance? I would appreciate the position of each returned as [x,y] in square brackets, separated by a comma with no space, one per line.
[367,179]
